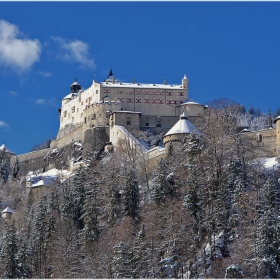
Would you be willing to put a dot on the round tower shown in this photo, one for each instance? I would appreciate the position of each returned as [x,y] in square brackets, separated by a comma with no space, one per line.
[277,122]
[179,130]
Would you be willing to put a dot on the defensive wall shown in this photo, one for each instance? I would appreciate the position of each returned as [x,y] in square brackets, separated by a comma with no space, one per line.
[265,142]
[31,161]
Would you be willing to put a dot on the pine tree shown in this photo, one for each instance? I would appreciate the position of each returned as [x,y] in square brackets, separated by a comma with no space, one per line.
[122,258]
[131,196]
[38,237]
[23,268]
[114,206]
[141,254]
[9,250]
[16,168]
[91,213]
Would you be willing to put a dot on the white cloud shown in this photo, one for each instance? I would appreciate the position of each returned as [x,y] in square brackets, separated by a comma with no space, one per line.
[16,51]
[45,74]
[3,124]
[12,93]
[76,51]
[41,101]
[52,102]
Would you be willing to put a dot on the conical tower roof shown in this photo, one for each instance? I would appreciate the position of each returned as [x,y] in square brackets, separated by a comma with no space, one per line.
[8,210]
[6,149]
[111,78]
[183,126]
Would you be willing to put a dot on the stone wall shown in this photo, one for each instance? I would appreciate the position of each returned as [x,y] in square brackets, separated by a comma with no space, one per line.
[76,134]
[31,161]
[100,134]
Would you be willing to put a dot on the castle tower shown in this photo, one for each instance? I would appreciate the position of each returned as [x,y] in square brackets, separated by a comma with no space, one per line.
[277,122]
[7,214]
[75,87]
[185,82]
[181,128]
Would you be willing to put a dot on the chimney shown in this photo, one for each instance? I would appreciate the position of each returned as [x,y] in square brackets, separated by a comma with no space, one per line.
[164,81]
[133,81]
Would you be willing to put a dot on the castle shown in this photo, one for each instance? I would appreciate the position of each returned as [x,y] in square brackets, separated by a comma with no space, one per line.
[112,109]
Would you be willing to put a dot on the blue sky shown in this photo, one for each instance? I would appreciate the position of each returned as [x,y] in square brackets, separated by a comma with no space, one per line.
[226,49]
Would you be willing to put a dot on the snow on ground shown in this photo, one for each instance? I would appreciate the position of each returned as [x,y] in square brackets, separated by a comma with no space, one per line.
[267,162]
[47,178]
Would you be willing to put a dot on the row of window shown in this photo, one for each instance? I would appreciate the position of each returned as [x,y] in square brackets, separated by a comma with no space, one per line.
[168,93]
[150,101]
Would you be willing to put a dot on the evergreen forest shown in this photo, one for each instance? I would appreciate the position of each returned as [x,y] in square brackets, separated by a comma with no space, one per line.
[209,209]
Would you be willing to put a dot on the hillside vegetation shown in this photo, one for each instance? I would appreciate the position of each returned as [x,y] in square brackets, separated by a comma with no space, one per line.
[207,210]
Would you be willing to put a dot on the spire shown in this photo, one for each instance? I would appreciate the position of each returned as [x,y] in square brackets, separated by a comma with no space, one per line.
[111,78]
[111,72]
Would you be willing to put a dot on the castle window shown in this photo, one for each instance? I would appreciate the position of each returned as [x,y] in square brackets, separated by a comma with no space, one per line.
[85,120]
[107,90]
[73,109]
[169,93]
[138,100]
[96,91]
[129,100]
[93,116]
[128,122]
[181,93]
[65,113]
[120,99]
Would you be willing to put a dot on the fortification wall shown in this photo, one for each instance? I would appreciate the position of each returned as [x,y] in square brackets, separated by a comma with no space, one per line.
[265,142]
[98,136]
[72,136]
[31,161]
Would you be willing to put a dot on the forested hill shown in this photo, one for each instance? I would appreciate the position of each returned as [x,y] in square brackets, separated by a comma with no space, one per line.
[207,210]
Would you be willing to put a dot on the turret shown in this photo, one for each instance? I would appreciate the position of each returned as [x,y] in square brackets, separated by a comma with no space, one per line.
[277,122]
[185,82]
[75,87]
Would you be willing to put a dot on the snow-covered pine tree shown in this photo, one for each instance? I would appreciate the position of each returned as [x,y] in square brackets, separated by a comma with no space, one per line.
[141,253]
[4,168]
[91,213]
[267,234]
[131,196]
[193,199]
[38,238]
[9,250]
[122,259]
[16,168]
[165,185]
[114,206]
[23,268]
[74,196]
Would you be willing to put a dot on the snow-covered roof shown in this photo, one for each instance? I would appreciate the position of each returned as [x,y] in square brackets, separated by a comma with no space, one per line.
[6,149]
[191,101]
[8,210]
[75,83]
[183,125]
[278,118]
[245,130]
[46,178]
[70,96]
[140,86]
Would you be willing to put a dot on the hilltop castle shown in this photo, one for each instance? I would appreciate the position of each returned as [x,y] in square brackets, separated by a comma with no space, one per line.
[112,109]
